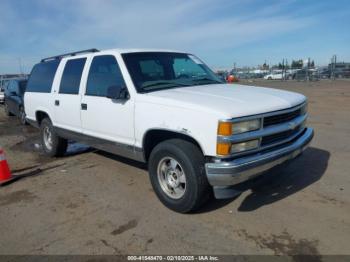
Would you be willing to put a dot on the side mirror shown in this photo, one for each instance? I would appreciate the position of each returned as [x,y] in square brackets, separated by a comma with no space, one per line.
[117,92]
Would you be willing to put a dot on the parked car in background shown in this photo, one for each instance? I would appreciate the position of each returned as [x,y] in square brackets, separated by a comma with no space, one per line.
[324,74]
[306,74]
[222,75]
[341,73]
[274,76]
[3,84]
[2,95]
[339,70]
[245,75]
[13,103]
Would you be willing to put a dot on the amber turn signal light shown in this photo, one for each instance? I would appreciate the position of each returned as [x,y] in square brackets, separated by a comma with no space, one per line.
[223,149]
[225,129]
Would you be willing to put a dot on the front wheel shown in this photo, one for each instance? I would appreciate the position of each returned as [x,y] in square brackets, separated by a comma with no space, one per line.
[52,144]
[178,176]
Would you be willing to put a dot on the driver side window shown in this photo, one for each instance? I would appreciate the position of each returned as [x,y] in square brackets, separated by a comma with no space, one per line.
[151,70]
[104,72]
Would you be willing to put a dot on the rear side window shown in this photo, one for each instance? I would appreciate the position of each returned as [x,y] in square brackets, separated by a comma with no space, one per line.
[70,81]
[104,72]
[42,76]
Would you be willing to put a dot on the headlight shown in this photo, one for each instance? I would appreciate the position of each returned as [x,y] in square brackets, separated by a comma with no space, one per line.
[244,146]
[245,126]
[229,128]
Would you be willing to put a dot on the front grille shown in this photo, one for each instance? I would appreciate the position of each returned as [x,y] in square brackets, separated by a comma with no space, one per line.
[282,118]
[275,138]
[279,128]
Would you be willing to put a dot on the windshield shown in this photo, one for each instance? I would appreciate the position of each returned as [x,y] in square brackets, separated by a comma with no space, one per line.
[152,71]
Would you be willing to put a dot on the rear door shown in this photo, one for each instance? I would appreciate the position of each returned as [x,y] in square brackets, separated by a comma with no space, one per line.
[16,100]
[103,117]
[68,95]
[11,96]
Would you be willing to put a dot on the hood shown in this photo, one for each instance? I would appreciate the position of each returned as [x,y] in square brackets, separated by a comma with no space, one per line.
[228,100]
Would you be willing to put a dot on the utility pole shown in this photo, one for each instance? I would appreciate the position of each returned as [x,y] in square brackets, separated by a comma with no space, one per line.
[333,63]
[307,70]
[20,66]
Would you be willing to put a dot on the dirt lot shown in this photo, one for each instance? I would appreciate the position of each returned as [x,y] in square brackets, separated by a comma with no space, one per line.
[91,202]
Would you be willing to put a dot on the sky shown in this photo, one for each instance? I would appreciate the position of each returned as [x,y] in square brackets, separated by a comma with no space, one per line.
[220,32]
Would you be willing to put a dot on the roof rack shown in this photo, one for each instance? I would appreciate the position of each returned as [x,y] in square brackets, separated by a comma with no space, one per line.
[92,50]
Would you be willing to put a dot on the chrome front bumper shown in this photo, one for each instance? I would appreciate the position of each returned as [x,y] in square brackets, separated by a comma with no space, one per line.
[242,169]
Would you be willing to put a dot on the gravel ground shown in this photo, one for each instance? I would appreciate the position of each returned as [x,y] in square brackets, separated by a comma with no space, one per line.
[91,202]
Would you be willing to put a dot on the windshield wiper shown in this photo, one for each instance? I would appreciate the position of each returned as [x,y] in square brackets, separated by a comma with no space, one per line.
[207,79]
[167,83]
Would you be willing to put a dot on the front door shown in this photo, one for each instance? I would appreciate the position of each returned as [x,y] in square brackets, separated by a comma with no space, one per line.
[111,120]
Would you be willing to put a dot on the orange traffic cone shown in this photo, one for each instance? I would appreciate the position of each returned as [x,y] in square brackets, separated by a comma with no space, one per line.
[5,174]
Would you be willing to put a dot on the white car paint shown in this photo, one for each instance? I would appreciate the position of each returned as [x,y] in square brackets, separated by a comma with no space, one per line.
[277,76]
[194,111]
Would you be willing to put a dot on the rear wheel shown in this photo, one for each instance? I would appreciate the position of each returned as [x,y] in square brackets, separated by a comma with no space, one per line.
[178,176]
[52,144]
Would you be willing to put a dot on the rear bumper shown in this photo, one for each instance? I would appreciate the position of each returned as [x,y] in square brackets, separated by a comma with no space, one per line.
[245,168]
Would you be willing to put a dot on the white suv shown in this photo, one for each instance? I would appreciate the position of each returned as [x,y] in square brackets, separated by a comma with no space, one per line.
[170,110]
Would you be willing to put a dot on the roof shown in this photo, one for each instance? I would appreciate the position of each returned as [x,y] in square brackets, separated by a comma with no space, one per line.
[138,50]
[94,50]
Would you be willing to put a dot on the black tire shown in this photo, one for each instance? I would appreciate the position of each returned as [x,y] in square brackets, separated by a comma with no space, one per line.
[22,116]
[58,144]
[7,111]
[191,160]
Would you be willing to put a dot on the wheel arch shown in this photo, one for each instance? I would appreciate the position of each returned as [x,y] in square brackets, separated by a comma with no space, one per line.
[40,115]
[153,137]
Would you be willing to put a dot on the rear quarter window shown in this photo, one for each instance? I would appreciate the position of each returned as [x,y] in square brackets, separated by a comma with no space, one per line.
[42,76]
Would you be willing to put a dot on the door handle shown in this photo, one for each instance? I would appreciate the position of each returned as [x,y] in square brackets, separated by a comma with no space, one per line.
[57,102]
[83,106]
